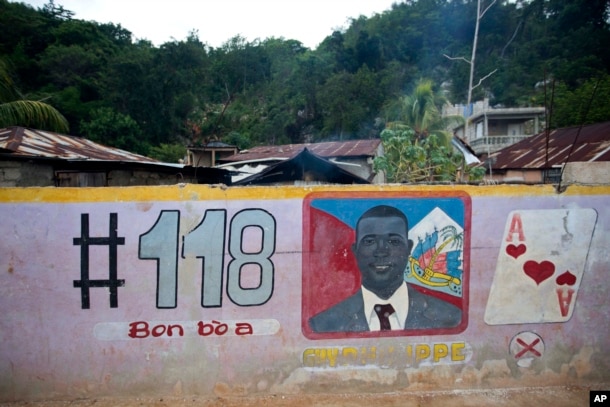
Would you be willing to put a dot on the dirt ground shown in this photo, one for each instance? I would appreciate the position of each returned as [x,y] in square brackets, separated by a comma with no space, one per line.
[521,397]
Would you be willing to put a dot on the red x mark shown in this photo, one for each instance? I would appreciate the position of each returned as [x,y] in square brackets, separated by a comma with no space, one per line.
[527,348]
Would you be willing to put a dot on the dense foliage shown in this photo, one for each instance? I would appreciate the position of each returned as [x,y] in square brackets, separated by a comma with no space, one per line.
[133,95]
[417,145]
[15,109]
[410,159]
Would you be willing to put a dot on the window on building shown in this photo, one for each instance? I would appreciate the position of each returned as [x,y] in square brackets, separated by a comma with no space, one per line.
[552,175]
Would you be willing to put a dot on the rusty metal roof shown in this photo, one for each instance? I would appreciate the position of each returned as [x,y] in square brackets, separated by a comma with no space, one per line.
[25,142]
[571,144]
[350,148]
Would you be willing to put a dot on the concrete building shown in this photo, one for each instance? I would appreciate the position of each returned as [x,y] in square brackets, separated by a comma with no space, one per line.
[210,154]
[490,129]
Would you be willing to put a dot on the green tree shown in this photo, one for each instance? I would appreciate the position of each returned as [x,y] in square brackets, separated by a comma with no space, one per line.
[342,57]
[57,12]
[17,110]
[169,153]
[349,102]
[277,91]
[158,87]
[417,145]
[410,159]
[584,104]
[115,129]
[421,112]
[236,139]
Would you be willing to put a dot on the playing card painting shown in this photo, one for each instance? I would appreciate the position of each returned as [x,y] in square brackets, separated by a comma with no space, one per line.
[540,265]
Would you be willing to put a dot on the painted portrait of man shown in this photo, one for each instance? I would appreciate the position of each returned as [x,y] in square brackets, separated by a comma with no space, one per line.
[385,298]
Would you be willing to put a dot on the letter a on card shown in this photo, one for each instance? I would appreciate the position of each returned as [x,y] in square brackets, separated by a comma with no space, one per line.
[540,265]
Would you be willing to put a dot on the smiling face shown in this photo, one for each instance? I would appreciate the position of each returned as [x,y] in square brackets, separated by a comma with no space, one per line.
[382,251]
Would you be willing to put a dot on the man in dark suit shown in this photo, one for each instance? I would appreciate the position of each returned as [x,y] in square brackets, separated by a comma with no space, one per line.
[385,301]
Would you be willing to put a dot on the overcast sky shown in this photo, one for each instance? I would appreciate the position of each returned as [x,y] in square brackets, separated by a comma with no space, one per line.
[308,21]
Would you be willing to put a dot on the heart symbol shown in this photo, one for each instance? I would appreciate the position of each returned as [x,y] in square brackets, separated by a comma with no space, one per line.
[515,251]
[566,278]
[539,271]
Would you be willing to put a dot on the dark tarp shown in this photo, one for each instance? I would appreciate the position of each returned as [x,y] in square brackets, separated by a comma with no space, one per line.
[305,166]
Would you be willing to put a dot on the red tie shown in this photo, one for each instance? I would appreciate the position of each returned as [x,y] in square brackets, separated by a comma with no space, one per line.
[383,312]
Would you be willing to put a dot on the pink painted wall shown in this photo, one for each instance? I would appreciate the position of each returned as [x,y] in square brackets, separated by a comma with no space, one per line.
[195,290]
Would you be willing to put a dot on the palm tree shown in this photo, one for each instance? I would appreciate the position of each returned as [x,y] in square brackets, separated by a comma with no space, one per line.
[420,112]
[417,145]
[16,110]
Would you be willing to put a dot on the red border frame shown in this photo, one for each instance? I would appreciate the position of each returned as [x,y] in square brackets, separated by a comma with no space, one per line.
[308,296]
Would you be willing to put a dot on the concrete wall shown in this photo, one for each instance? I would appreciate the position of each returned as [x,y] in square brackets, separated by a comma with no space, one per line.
[196,290]
[30,174]
[25,174]
[118,178]
[519,176]
[590,173]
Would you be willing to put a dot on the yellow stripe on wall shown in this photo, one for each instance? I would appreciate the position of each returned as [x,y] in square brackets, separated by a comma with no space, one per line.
[193,192]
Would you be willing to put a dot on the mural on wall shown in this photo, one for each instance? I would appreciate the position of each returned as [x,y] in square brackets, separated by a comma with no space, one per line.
[206,241]
[540,265]
[385,264]
[157,269]
[526,347]
[155,288]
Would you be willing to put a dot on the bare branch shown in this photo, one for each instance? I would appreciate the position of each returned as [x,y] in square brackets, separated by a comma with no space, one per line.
[511,39]
[457,58]
[483,78]
[487,8]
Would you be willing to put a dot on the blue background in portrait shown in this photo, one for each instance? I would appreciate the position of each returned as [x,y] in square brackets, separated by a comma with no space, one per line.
[348,210]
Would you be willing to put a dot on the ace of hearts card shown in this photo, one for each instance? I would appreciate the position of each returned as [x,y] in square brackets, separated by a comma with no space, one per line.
[540,265]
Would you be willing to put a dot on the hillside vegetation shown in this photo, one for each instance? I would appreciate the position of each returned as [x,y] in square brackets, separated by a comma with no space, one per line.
[153,100]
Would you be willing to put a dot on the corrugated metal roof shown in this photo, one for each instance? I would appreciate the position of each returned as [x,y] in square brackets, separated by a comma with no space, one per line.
[350,148]
[24,142]
[591,143]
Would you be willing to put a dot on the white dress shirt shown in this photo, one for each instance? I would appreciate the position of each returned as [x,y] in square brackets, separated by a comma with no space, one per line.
[400,302]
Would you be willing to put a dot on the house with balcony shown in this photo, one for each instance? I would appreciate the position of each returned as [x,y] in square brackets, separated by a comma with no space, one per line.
[489,129]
